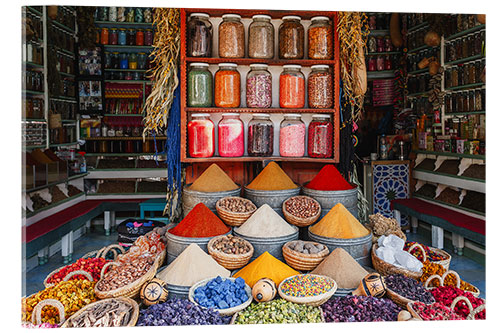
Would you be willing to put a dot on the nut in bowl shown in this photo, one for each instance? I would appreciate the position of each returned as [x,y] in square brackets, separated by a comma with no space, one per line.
[310,289]
[230,251]
[304,255]
[234,211]
[301,210]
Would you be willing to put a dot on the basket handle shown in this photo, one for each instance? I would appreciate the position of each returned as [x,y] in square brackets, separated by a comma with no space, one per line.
[36,316]
[417,245]
[107,265]
[461,298]
[452,273]
[473,313]
[432,277]
[112,248]
[99,252]
[79,272]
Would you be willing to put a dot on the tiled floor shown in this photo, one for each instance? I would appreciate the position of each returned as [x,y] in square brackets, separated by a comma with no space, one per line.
[470,270]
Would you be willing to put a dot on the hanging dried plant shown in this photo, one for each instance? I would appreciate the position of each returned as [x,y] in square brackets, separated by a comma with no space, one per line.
[165,57]
[353,31]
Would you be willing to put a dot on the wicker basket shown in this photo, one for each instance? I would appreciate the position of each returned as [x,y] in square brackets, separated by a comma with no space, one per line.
[133,317]
[36,317]
[445,262]
[300,222]
[310,300]
[230,261]
[471,315]
[223,312]
[303,262]
[101,253]
[231,218]
[67,277]
[233,319]
[476,291]
[384,268]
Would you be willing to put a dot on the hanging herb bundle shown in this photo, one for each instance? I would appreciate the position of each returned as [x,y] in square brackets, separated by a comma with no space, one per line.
[165,57]
[353,31]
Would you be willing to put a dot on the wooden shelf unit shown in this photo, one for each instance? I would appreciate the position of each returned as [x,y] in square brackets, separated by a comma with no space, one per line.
[245,14]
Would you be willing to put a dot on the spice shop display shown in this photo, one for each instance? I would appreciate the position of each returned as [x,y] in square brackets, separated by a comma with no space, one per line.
[475,171]
[265,223]
[450,196]
[213,179]
[200,222]
[292,87]
[329,179]
[231,136]
[432,254]
[320,38]
[201,137]
[199,32]
[359,309]
[260,135]
[320,137]
[475,201]
[280,311]
[272,178]
[291,38]
[339,223]
[227,86]
[200,85]
[261,37]
[259,87]
[320,87]
[231,37]
[437,272]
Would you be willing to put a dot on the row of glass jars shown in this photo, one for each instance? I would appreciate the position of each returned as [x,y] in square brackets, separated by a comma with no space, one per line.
[379,44]
[33,81]
[261,41]
[415,58]
[115,60]
[260,141]
[469,73]
[380,63]
[124,14]
[122,36]
[418,83]
[227,92]
[465,101]
[466,46]
[121,146]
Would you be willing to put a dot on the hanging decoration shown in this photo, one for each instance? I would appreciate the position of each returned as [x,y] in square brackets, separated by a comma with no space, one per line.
[165,57]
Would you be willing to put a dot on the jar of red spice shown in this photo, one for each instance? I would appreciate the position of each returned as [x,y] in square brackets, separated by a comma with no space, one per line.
[320,38]
[292,136]
[319,136]
[104,36]
[139,37]
[201,137]
[319,87]
[231,37]
[231,136]
[227,86]
[380,63]
[292,87]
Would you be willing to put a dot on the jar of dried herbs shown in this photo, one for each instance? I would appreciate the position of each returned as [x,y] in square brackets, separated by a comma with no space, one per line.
[261,37]
[231,37]
[291,38]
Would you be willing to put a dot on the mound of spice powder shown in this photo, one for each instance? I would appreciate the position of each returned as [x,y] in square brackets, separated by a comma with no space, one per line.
[339,223]
[200,222]
[307,285]
[329,179]
[272,178]
[213,179]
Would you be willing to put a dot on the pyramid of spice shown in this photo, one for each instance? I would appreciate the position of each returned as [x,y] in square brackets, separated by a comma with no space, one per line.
[341,267]
[272,178]
[265,222]
[339,223]
[213,179]
[329,179]
[200,222]
[191,266]
[265,266]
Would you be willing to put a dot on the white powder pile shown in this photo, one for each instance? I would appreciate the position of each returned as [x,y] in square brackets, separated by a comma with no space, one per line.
[265,222]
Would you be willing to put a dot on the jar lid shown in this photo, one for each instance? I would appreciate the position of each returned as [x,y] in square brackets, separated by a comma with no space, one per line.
[200,115]
[199,64]
[227,64]
[321,116]
[260,16]
[263,115]
[199,15]
[291,17]
[292,115]
[316,18]
[230,114]
[258,65]
[319,67]
[292,66]
[231,16]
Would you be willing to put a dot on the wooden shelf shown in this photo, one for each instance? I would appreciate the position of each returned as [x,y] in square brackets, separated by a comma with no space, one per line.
[123,115]
[380,74]
[421,48]
[119,154]
[34,11]
[382,53]
[464,60]
[130,81]
[257,110]
[438,153]
[124,70]
[127,173]
[450,175]
[33,189]
[111,24]
[122,48]
[32,64]
[466,86]
[32,92]
[259,159]
[457,208]
[248,13]
[110,138]
[54,145]
[64,99]
[466,32]
[67,75]
[453,114]
[460,182]
[35,119]
[418,94]
[270,62]
[381,32]
[63,27]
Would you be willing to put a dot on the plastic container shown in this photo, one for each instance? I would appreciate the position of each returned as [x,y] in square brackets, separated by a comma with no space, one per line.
[231,37]
[231,136]
[320,38]
[199,32]
[291,38]
[227,86]
[261,37]
[260,135]
[292,136]
[320,137]
[259,87]
[320,87]
[201,136]
[292,87]
[200,85]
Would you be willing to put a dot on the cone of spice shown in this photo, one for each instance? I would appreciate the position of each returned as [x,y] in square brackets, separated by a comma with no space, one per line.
[341,267]
[265,222]
[213,179]
[265,266]
[329,179]
[200,223]
[339,223]
[272,178]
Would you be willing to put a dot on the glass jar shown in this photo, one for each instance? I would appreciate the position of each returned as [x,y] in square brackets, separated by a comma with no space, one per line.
[201,137]
[372,44]
[129,15]
[460,102]
[231,136]
[141,60]
[372,64]
[139,37]
[380,44]
[113,14]
[388,63]
[460,74]
[132,61]
[465,102]
[380,63]
[123,61]
[120,14]
[472,102]
[465,47]
[388,44]
[320,136]
[200,85]
[458,49]
[472,73]
[115,60]
[320,38]
[454,76]
[113,36]
[259,87]
[148,37]
[465,73]
[478,100]
[107,60]
[261,37]
[478,70]
[131,37]
[227,86]
[199,31]
[231,37]
[320,87]
[148,15]
[104,36]
[291,38]
[139,15]
[260,135]
[292,136]
[448,107]
[451,52]
[122,36]
[292,87]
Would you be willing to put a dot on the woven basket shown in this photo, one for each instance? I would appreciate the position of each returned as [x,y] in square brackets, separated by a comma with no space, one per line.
[36,317]
[303,262]
[132,320]
[233,319]
[476,291]
[131,290]
[445,262]
[471,315]
[223,312]
[384,268]
[231,218]
[230,261]
[310,300]
[300,222]
[101,253]
[67,277]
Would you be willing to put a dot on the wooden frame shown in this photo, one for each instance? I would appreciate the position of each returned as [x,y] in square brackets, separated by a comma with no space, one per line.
[275,14]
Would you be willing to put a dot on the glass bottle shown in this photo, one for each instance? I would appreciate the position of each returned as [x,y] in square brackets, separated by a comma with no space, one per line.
[132,61]
[231,37]
[465,47]
[200,85]
[372,63]
[388,44]
[320,87]
[201,136]
[227,86]
[292,136]
[292,87]
[261,37]
[372,45]
[291,38]
[472,73]
[199,31]
[259,87]
[260,135]
[320,38]
[231,136]
[320,137]
[388,63]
